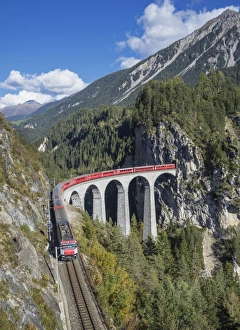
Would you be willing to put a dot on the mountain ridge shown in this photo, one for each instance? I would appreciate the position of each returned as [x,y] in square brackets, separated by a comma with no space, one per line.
[215,45]
[21,110]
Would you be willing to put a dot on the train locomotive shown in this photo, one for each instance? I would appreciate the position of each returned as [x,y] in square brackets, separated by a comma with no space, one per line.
[66,244]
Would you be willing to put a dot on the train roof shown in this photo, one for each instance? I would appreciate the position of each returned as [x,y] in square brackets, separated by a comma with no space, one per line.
[64,227]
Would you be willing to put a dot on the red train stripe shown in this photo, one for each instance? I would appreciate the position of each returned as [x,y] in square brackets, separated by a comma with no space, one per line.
[121,171]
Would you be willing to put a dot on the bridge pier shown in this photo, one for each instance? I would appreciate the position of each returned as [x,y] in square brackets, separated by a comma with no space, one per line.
[149,214]
[98,206]
[123,214]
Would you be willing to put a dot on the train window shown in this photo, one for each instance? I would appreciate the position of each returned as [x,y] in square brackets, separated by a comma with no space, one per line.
[72,245]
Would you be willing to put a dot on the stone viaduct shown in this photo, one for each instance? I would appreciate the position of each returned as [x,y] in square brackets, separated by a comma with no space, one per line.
[75,195]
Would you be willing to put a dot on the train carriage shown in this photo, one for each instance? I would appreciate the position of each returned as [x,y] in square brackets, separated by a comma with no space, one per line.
[66,244]
[109,173]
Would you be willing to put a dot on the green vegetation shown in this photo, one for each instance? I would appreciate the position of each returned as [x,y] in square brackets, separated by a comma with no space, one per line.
[4,290]
[48,318]
[7,245]
[233,74]
[89,141]
[5,322]
[99,139]
[18,161]
[201,112]
[36,237]
[160,284]
[153,284]
[25,230]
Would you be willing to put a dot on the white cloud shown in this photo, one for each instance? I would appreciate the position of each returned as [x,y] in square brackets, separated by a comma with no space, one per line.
[121,45]
[162,25]
[23,96]
[43,88]
[127,62]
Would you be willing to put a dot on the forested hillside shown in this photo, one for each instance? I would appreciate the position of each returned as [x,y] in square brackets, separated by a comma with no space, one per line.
[201,112]
[162,284]
[233,74]
[100,139]
[91,140]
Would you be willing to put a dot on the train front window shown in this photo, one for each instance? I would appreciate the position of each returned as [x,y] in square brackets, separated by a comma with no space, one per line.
[69,246]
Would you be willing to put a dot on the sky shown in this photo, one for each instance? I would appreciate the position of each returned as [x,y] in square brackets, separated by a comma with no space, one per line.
[50,49]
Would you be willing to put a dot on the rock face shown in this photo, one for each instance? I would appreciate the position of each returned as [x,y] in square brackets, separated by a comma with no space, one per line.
[210,201]
[25,276]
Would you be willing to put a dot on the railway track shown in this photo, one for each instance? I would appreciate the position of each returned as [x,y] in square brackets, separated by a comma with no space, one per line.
[82,311]
[82,303]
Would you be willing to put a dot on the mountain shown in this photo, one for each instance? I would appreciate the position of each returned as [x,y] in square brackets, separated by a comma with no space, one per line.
[197,128]
[215,45]
[20,111]
[26,287]
[158,281]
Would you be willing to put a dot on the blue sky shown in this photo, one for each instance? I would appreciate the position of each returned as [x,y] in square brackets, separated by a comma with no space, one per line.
[53,48]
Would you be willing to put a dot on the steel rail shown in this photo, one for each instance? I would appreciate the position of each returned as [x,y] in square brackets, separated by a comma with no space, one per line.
[80,299]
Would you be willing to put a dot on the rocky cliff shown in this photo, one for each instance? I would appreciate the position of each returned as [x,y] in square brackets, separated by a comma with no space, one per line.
[210,200]
[27,298]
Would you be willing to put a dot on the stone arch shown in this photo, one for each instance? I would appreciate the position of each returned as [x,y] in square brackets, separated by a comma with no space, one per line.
[136,196]
[93,202]
[111,201]
[116,193]
[75,199]
[146,208]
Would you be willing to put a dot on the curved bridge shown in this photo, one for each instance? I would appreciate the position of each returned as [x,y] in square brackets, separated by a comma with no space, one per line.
[74,192]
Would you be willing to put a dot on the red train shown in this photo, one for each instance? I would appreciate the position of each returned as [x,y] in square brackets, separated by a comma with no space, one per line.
[65,242]
[103,174]
[65,239]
